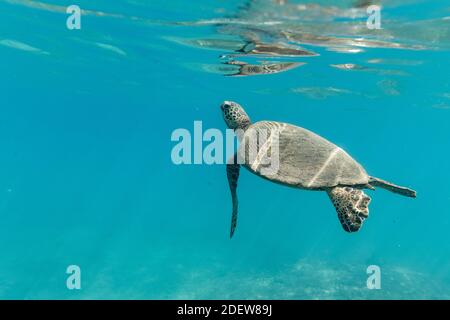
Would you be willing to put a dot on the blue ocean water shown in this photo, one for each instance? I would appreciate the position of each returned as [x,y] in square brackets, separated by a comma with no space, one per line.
[87,179]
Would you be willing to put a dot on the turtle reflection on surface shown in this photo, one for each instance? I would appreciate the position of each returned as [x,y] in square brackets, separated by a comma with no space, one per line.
[244,69]
[280,50]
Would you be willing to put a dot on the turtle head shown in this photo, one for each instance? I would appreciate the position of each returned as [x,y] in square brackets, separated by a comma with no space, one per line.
[234,115]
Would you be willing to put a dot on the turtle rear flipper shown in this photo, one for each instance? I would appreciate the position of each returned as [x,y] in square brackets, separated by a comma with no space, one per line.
[352,206]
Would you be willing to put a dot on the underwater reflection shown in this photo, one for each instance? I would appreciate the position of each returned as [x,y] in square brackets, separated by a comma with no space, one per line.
[244,69]
[289,29]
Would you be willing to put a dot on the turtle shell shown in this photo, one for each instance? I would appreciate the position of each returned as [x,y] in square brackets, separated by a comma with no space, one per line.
[297,157]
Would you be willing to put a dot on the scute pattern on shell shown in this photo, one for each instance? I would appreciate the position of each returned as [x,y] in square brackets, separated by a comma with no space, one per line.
[306,160]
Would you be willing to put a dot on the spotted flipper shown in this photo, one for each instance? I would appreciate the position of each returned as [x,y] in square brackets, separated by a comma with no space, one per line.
[352,206]
[233,176]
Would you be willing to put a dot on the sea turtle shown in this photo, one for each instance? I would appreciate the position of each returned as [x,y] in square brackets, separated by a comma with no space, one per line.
[305,161]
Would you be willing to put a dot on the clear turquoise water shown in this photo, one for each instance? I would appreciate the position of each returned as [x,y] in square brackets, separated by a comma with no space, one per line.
[86,176]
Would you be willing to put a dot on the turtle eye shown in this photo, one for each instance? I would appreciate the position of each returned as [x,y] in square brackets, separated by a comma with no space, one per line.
[225,106]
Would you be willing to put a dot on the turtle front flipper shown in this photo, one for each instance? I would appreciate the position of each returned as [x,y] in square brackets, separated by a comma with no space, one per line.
[352,206]
[233,169]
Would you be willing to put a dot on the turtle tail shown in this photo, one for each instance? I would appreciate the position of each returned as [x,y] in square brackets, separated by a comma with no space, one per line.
[392,187]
